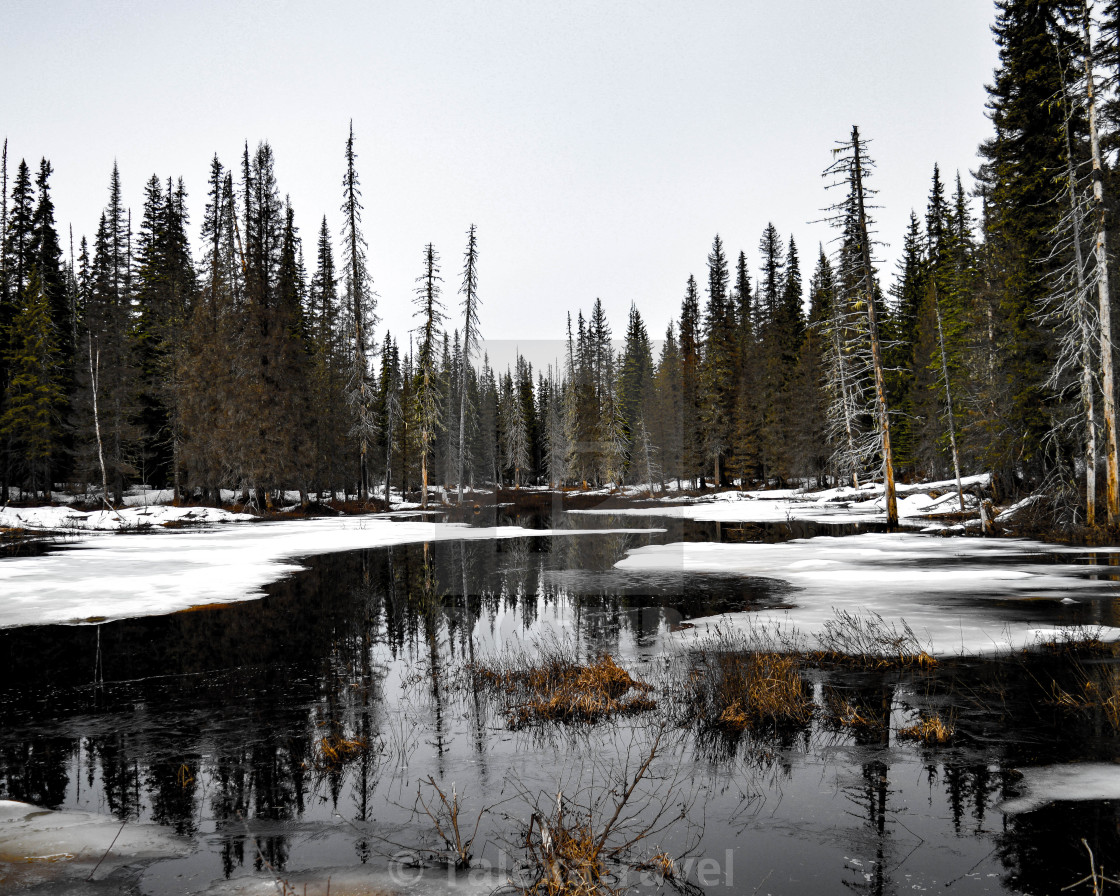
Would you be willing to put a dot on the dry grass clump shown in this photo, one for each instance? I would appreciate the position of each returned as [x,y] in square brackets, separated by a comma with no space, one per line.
[735,690]
[555,687]
[930,729]
[335,750]
[1098,689]
[868,641]
[1072,639]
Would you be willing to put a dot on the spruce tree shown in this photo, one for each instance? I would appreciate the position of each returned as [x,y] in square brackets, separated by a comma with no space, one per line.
[471,338]
[635,375]
[428,388]
[1022,208]
[359,291]
[32,412]
[717,374]
[690,345]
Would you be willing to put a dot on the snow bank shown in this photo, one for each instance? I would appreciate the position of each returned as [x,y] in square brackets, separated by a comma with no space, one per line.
[945,589]
[137,517]
[834,505]
[32,835]
[167,570]
[1073,783]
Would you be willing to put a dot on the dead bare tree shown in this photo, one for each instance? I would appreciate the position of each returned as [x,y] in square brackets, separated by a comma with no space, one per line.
[851,169]
[1103,298]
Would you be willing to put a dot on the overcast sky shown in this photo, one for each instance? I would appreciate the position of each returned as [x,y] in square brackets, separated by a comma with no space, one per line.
[599,146]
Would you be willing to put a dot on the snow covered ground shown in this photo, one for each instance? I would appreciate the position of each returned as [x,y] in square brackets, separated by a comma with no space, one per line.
[136,517]
[953,592]
[834,505]
[99,577]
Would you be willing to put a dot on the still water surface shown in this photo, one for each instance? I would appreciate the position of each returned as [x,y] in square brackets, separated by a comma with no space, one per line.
[210,723]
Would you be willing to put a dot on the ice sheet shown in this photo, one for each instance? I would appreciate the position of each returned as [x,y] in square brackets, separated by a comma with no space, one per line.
[112,577]
[949,590]
[32,835]
[1076,782]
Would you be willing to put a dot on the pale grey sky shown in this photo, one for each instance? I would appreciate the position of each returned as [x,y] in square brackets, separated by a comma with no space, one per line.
[599,146]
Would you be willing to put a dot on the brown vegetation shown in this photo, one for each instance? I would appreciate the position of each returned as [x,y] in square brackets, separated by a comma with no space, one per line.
[335,750]
[555,687]
[931,729]
[735,688]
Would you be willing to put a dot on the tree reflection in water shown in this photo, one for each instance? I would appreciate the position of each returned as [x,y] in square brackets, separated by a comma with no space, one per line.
[214,723]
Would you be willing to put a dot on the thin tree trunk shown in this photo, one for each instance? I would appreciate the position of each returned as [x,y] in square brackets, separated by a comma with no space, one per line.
[1103,298]
[94,370]
[948,395]
[462,426]
[844,403]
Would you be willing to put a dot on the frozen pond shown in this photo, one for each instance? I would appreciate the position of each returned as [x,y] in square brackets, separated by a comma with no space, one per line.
[202,732]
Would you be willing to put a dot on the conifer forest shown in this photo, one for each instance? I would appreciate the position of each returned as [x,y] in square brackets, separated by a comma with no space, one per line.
[236,348]
[802,576]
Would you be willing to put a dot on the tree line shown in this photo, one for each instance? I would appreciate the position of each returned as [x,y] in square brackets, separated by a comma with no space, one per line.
[235,362]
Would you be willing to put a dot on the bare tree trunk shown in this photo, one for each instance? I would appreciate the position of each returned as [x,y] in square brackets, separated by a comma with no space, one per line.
[462,427]
[948,396]
[876,353]
[841,370]
[1103,298]
[94,370]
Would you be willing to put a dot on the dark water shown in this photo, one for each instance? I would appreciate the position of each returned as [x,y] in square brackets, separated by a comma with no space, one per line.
[211,723]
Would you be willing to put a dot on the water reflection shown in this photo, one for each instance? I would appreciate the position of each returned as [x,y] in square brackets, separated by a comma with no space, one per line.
[220,724]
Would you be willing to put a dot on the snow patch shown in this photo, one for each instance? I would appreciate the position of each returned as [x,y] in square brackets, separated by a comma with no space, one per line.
[835,505]
[1078,782]
[162,571]
[128,518]
[32,835]
[946,590]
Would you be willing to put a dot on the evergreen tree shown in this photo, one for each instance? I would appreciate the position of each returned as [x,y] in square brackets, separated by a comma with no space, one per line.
[471,337]
[428,389]
[31,415]
[330,365]
[1022,208]
[908,385]
[359,291]
[635,374]
[691,436]
[717,374]
[665,420]
[809,427]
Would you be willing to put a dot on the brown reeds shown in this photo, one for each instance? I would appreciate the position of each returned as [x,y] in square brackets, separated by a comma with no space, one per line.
[929,729]
[735,688]
[556,687]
